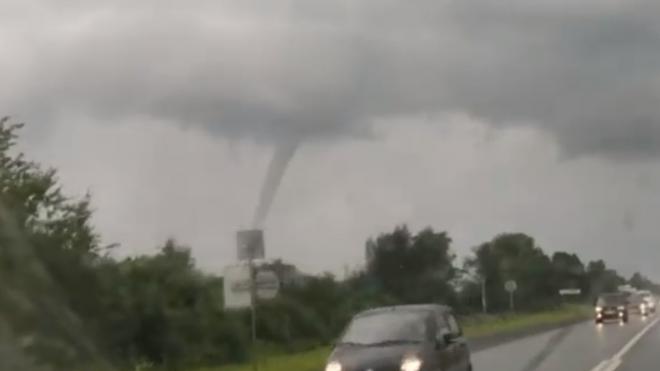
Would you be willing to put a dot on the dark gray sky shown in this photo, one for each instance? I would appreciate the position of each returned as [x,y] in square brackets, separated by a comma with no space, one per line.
[477,117]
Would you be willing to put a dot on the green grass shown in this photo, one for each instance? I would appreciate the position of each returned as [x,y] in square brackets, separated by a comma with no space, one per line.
[485,325]
[474,327]
[306,361]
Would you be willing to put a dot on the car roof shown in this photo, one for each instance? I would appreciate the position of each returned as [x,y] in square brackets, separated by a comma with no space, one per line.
[614,295]
[407,308]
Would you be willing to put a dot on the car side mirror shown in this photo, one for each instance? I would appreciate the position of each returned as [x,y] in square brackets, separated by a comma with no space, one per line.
[443,339]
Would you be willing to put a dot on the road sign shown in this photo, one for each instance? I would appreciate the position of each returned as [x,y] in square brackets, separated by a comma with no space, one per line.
[237,287]
[250,244]
[567,292]
[267,285]
[511,286]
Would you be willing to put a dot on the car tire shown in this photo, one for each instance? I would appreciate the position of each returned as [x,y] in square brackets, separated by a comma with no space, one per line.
[599,321]
[469,367]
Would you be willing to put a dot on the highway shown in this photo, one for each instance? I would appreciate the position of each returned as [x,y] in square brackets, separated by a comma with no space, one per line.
[581,347]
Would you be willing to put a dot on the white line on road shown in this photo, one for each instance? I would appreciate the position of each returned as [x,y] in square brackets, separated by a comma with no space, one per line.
[614,362]
[600,366]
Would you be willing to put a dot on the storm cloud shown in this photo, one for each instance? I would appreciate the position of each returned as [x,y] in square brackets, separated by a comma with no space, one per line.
[586,73]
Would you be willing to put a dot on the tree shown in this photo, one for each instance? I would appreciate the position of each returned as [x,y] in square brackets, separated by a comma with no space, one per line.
[48,252]
[569,272]
[602,279]
[641,282]
[411,268]
[514,256]
[171,314]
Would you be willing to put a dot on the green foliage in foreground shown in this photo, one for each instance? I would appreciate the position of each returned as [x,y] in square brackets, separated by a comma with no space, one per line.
[474,326]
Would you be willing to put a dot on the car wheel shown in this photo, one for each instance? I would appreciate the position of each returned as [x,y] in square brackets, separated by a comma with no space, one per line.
[599,321]
[469,367]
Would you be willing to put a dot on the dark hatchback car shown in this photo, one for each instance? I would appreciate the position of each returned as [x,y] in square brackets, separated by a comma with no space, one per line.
[402,338]
[612,306]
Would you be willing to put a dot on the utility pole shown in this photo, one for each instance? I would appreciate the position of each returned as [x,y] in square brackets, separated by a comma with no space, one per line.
[484,299]
[253,314]
[511,302]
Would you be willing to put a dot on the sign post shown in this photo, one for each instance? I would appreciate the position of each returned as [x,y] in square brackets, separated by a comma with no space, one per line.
[250,246]
[484,300]
[570,292]
[511,286]
[244,283]
[253,314]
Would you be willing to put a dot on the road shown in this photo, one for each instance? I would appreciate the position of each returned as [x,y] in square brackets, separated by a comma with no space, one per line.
[582,347]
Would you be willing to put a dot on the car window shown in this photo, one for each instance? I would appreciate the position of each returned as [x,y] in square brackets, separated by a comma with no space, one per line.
[441,324]
[454,327]
[611,300]
[387,326]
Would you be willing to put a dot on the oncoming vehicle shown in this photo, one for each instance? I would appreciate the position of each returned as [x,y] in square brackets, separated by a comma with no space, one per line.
[637,304]
[649,299]
[612,307]
[406,338]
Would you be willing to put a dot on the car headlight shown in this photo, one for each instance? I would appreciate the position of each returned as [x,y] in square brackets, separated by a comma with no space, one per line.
[411,364]
[333,366]
[599,309]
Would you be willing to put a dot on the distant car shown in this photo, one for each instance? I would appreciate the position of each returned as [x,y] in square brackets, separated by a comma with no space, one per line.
[637,304]
[612,307]
[402,338]
[649,299]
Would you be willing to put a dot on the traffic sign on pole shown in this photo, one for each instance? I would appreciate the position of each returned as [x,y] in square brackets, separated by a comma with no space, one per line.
[511,286]
[267,285]
[238,286]
[250,244]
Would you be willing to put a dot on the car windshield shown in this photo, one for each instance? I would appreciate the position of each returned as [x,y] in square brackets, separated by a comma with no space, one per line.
[395,326]
[611,300]
[226,184]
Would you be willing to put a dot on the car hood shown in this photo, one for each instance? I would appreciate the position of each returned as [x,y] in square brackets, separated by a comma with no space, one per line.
[363,358]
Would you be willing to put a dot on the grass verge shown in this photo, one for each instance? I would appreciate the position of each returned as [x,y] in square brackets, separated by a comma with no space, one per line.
[474,327]
[487,325]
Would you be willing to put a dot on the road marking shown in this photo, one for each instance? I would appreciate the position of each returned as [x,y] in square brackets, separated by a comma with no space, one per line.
[636,339]
[616,360]
[600,366]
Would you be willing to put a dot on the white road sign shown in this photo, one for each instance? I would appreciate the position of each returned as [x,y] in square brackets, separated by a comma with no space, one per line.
[237,286]
[267,285]
[566,292]
[511,286]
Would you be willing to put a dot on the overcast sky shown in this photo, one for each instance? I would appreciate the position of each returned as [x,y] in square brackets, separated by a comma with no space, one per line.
[475,117]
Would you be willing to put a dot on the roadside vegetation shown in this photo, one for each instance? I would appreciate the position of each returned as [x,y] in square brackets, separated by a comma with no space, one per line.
[67,303]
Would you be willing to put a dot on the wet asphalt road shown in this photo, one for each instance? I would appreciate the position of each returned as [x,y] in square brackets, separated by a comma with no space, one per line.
[581,347]
[645,355]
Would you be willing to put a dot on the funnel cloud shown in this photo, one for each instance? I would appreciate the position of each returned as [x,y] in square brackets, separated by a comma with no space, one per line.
[276,169]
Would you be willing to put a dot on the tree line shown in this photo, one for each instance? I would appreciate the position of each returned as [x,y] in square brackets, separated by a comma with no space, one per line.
[66,304]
